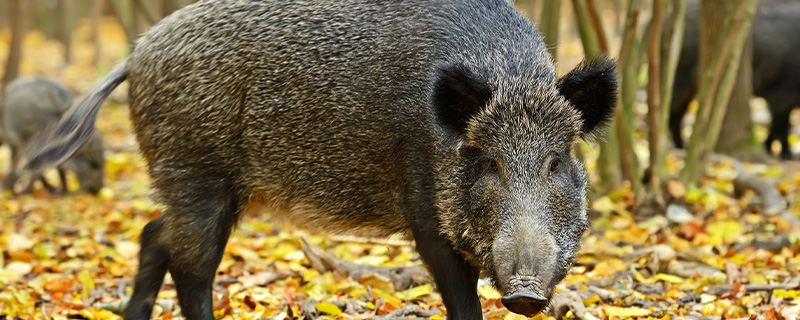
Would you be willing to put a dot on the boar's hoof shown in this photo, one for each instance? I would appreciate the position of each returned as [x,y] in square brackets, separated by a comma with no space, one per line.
[526,303]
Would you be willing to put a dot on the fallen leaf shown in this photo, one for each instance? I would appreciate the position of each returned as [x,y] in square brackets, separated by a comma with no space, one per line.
[328,308]
[59,285]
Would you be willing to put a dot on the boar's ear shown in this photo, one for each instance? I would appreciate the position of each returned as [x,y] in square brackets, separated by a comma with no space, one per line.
[458,95]
[592,89]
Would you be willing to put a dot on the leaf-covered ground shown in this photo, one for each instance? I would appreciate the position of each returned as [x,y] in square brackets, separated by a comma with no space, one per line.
[712,254]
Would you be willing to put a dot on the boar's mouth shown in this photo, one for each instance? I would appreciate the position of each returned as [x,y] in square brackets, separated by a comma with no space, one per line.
[526,297]
[527,304]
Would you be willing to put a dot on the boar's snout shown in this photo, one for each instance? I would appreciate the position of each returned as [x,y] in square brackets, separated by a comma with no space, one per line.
[527,258]
[525,303]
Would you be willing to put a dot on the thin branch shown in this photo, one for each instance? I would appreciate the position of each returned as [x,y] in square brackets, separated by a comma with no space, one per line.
[597,25]
[628,85]
[548,26]
[673,36]
[653,100]
[148,10]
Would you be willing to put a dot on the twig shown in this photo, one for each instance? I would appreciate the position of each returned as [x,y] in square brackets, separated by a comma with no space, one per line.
[695,317]
[408,310]
[775,244]
[401,277]
[376,241]
[721,289]
[771,200]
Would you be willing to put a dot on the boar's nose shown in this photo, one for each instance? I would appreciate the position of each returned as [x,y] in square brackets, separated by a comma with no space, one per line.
[526,303]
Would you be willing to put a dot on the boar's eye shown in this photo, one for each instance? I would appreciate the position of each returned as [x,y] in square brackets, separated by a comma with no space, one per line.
[493,166]
[554,164]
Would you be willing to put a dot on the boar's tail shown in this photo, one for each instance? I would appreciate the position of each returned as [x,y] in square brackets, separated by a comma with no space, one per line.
[62,140]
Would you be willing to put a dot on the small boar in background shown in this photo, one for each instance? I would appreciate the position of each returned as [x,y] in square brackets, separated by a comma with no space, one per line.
[28,107]
[440,119]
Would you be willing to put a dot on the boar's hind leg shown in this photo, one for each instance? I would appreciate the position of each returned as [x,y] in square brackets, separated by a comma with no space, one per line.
[188,239]
[62,175]
[780,106]
[455,278]
[53,189]
[153,258]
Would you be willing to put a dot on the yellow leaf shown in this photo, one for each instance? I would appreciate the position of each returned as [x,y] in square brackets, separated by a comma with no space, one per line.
[365,304]
[371,260]
[103,314]
[609,267]
[707,298]
[786,294]
[245,253]
[728,231]
[757,278]
[621,312]
[15,270]
[603,204]
[514,316]
[88,283]
[389,298]
[17,242]
[640,278]
[595,299]
[669,278]
[106,194]
[488,292]
[377,281]
[571,279]
[328,308]
[415,292]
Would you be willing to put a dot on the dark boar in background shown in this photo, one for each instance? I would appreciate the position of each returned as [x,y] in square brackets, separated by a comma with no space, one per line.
[441,119]
[776,66]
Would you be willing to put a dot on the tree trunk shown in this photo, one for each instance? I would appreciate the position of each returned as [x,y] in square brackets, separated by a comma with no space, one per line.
[719,62]
[136,17]
[178,4]
[548,25]
[530,8]
[94,16]
[166,8]
[16,11]
[40,17]
[122,12]
[64,28]
[146,11]
[737,134]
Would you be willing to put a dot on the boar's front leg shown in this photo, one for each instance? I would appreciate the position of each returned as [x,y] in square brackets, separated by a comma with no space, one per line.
[455,278]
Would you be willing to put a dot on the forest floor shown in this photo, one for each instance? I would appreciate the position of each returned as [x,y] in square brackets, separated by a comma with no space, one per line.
[712,254]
